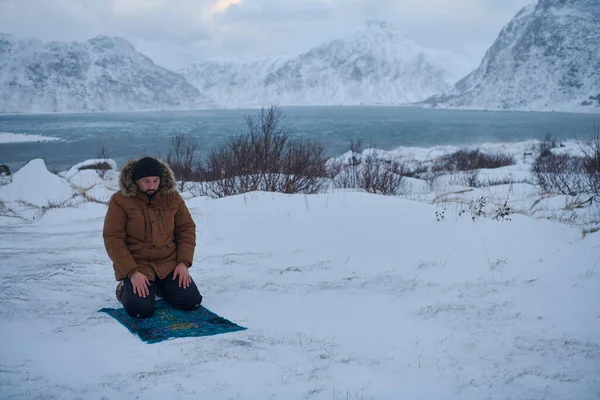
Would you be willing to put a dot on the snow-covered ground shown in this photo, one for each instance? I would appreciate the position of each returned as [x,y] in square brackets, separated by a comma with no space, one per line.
[346,295]
[9,137]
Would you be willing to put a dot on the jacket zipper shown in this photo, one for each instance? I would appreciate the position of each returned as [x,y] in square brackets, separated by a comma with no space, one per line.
[145,223]
[146,215]
[160,218]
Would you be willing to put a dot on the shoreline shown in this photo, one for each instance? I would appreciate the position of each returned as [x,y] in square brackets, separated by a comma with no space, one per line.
[578,111]
[413,154]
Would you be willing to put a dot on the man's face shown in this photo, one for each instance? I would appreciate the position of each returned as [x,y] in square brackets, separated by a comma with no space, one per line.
[149,184]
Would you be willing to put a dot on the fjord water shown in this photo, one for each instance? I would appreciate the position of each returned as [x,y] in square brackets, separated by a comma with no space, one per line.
[126,135]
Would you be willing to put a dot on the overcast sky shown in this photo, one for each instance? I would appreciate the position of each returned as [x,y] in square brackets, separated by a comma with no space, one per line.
[176,32]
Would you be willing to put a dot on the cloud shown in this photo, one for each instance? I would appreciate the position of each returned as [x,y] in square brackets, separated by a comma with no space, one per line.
[222,5]
[57,20]
[284,26]
[178,21]
[276,11]
[176,32]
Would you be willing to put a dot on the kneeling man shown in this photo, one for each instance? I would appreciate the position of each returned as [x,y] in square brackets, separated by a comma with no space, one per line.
[150,236]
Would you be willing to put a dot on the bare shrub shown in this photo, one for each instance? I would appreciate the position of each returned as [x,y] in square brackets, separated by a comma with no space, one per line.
[5,174]
[264,158]
[472,177]
[560,173]
[569,174]
[546,145]
[90,199]
[589,231]
[467,160]
[468,178]
[476,208]
[104,166]
[50,205]
[371,173]
[181,159]
[382,176]
[55,204]
[4,170]
[6,211]
[591,162]
[498,181]
[303,166]
[429,178]
[100,166]
[419,171]
[356,145]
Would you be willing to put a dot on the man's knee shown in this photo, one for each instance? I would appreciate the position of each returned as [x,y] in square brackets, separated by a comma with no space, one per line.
[191,299]
[186,299]
[136,306]
[183,298]
[138,309]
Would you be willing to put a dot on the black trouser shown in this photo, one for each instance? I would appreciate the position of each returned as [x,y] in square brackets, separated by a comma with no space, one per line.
[179,297]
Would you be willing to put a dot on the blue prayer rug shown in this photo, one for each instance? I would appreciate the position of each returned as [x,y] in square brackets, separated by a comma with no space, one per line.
[169,322]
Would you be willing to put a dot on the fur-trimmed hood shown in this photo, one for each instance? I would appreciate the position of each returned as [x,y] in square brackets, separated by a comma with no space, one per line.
[128,186]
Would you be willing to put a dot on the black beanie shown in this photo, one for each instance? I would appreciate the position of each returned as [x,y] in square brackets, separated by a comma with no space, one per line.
[147,166]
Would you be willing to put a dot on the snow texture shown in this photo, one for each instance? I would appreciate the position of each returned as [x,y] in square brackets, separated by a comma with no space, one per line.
[92,182]
[77,168]
[546,59]
[375,64]
[35,185]
[101,74]
[346,295]
[9,137]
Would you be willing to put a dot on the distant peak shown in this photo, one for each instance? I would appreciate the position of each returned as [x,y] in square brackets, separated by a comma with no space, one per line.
[381,30]
[558,2]
[378,24]
[544,4]
[103,42]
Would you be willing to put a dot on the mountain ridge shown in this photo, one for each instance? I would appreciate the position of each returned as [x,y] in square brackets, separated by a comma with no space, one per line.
[546,58]
[101,74]
[374,64]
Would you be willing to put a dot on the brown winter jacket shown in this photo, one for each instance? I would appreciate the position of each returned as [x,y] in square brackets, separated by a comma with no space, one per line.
[152,237]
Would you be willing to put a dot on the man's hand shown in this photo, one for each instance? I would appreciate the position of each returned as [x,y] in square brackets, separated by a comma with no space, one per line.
[140,284]
[183,273]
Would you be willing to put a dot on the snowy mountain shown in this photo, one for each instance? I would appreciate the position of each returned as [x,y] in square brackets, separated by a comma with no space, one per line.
[236,82]
[546,58]
[102,74]
[375,64]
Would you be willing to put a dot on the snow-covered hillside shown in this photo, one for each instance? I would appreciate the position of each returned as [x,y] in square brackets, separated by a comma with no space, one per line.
[102,74]
[375,64]
[546,58]
[346,295]
[233,75]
